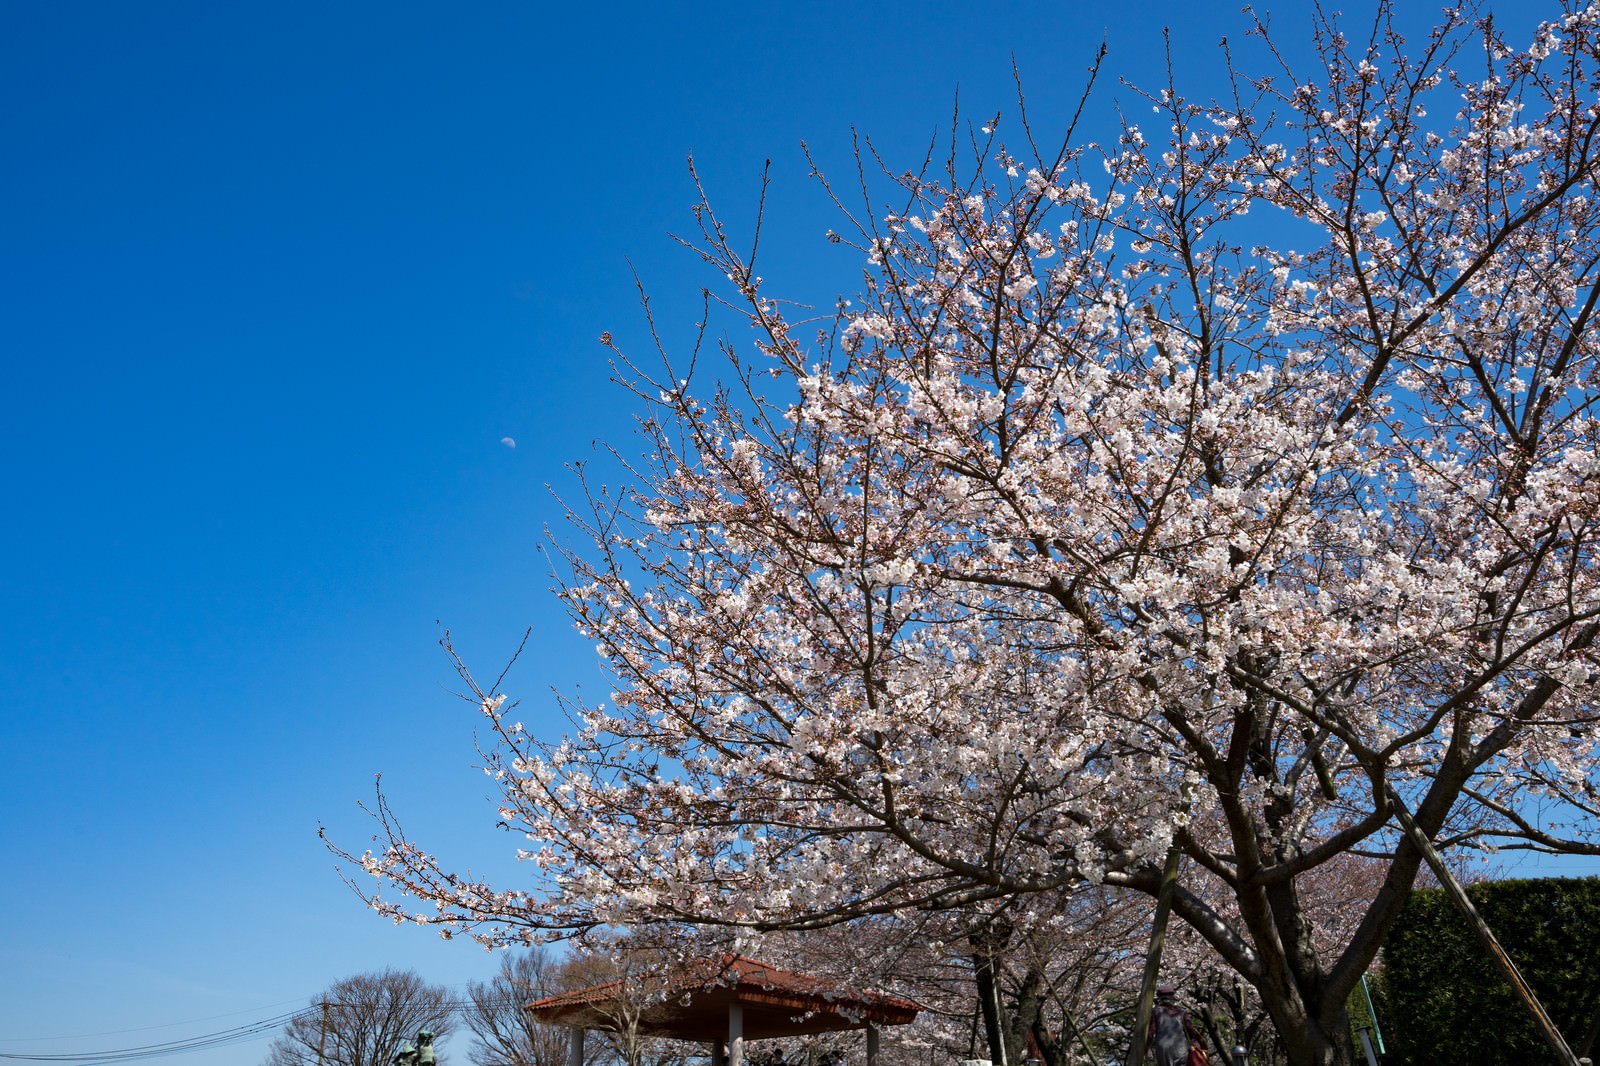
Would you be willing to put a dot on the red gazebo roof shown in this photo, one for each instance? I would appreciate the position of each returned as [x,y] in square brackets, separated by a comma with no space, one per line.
[693,1004]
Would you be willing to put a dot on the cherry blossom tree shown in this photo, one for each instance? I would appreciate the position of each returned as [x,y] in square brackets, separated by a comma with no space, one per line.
[1233,485]
[1016,979]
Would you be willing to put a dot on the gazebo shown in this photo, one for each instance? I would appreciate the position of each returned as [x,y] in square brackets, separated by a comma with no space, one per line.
[725,1002]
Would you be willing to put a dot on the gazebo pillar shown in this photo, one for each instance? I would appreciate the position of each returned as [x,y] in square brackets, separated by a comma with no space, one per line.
[575,1045]
[872,1045]
[719,1053]
[735,1035]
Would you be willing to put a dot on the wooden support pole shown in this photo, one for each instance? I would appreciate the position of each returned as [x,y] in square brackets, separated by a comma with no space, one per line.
[1152,960]
[575,1045]
[872,1045]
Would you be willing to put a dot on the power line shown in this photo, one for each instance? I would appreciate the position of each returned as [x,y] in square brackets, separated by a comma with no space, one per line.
[239,1034]
[149,1028]
[227,1037]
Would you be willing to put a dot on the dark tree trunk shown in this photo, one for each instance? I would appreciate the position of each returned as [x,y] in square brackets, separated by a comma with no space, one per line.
[1011,1025]
[986,974]
[1022,1042]
[1050,1051]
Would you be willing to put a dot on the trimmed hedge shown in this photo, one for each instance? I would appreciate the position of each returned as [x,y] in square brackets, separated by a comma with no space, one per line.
[1449,1005]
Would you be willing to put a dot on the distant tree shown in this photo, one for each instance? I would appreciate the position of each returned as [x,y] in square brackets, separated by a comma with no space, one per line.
[363,1021]
[507,1035]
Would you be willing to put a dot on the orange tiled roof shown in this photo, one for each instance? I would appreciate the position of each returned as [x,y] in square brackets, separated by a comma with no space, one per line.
[693,1003]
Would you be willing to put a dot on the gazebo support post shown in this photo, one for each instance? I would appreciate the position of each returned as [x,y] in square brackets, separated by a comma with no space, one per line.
[719,1053]
[575,1045]
[735,1035]
[872,1045]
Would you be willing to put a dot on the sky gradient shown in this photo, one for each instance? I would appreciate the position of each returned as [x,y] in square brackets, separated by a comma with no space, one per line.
[279,284]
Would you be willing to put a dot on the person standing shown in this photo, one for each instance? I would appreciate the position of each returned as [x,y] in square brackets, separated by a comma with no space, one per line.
[1172,1038]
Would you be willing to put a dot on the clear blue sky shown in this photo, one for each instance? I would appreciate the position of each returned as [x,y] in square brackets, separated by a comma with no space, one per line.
[275,281]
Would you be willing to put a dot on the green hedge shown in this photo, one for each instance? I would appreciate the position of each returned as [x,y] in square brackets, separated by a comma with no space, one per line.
[1449,1005]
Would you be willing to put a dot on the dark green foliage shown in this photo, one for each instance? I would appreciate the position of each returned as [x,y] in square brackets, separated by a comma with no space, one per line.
[1449,1005]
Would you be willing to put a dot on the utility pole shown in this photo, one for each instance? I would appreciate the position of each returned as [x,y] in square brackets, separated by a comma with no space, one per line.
[322,1037]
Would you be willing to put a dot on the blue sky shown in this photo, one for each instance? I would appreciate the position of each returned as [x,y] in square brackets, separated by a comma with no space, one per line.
[277,280]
